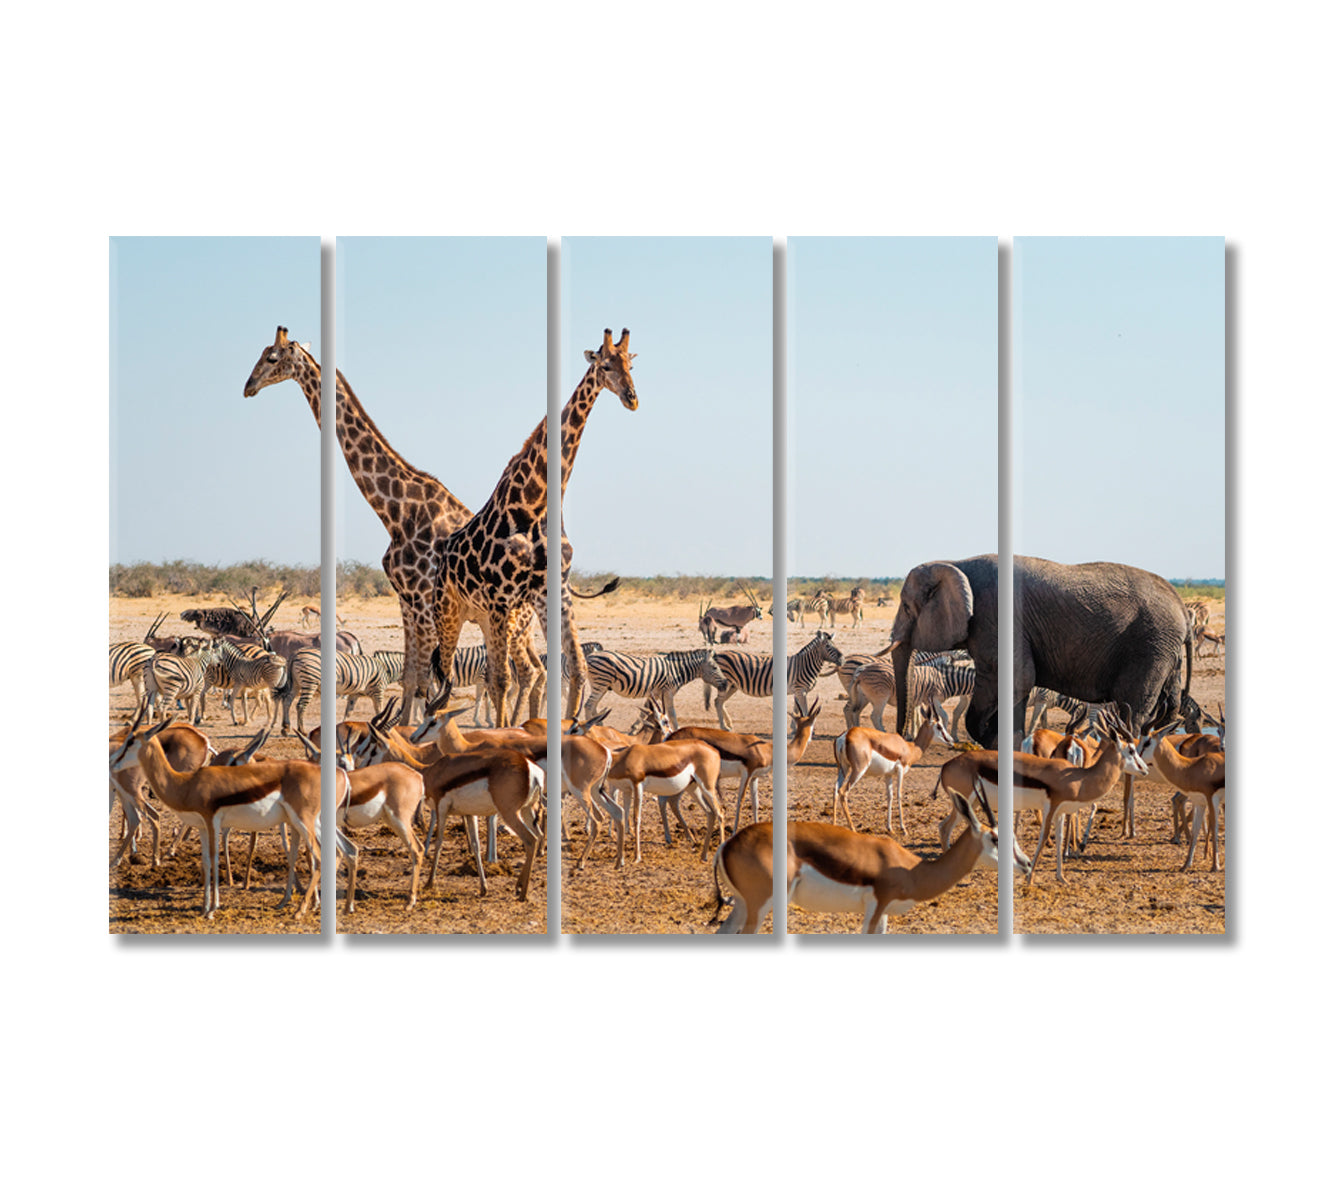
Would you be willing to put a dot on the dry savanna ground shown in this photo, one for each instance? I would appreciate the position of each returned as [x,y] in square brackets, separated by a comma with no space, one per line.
[1117,886]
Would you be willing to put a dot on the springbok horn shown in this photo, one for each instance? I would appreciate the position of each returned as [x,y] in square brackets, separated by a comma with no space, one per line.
[440,699]
[252,748]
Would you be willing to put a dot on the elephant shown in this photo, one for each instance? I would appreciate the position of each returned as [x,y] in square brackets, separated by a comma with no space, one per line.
[1096,631]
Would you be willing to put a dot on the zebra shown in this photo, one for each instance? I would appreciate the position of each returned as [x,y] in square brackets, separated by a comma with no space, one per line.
[849,604]
[796,610]
[243,670]
[391,663]
[932,682]
[355,675]
[1047,698]
[754,673]
[171,677]
[819,605]
[1197,613]
[656,676]
[126,662]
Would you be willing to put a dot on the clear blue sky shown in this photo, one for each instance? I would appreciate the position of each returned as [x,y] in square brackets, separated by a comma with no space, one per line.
[444,342]
[685,484]
[892,402]
[1119,402]
[197,470]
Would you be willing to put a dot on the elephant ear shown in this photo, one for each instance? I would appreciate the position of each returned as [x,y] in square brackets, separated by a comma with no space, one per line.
[944,609]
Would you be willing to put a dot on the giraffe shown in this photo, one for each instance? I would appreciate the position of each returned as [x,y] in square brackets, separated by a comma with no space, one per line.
[416,509]
[497,562]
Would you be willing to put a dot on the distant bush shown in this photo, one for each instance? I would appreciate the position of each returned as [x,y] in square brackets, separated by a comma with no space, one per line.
[361,579]
[726,589]
[1210,591]
[184,578]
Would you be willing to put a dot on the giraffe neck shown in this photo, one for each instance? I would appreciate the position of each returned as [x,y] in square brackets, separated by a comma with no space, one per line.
[391,485]
[523,486]
[573,418]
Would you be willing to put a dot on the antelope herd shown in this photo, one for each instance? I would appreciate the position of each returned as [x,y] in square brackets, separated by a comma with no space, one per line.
[410,778]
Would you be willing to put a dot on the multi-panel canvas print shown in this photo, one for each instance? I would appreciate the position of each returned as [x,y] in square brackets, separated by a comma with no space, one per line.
[1120,583]
[892,586]
[215,550]
[442,352]
[897,734]
[666,438]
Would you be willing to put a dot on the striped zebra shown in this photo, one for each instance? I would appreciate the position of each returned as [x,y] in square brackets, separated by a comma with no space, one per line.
[1197,613]
[247,671]
[849,605]
[1043,699]
[127,661]
[391,663]
[169,677]
[655,676]
[796,609]
[355,675]
[819,605]
[932,682]
[754,673]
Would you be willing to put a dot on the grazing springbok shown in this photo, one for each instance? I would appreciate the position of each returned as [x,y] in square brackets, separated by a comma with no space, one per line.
[834,870]
[1204,775]
[310,615]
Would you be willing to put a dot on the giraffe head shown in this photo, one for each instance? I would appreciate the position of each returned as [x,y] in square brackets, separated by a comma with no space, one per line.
[277,363]
[611,365]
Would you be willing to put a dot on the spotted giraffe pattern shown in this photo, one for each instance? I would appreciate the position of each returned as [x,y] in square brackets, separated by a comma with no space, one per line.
[416,509]
[497,561]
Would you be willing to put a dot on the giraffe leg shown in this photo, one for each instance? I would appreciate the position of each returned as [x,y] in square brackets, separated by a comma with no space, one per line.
[497,666]
[448,622]
[523,667]
[411,642]
[569,643]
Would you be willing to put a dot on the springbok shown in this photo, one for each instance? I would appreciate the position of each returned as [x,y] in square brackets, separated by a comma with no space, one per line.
[746,758]
[215,799]
[863,753]
[831,869]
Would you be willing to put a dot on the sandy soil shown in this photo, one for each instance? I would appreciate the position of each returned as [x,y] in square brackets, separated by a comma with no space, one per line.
[1117,886]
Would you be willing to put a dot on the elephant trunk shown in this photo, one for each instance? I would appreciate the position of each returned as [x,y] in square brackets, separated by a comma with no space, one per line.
[901,656]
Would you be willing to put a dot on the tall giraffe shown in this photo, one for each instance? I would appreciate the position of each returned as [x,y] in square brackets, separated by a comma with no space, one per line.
[416,509]
[497,562]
